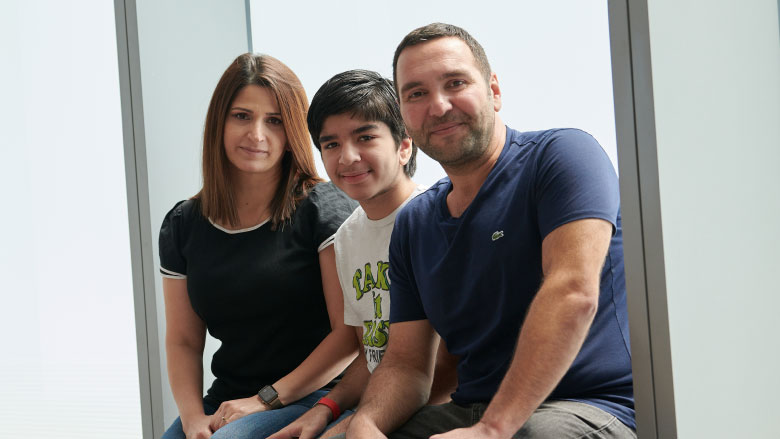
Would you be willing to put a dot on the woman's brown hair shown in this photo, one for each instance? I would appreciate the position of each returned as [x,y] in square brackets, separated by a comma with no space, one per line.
[217,197]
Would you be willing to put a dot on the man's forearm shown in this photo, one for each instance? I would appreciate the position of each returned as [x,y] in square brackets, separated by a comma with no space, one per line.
[394,393]
[401,384]
[551,337]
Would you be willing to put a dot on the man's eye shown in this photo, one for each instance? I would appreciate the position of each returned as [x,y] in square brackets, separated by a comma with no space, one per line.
[366,138]
[274,121]
[457,83]
[415,95]
[330,145]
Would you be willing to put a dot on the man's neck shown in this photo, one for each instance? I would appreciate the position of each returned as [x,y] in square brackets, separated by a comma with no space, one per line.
[467,180]
[384,204]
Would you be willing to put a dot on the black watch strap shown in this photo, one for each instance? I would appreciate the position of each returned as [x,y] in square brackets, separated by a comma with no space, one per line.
[270,397]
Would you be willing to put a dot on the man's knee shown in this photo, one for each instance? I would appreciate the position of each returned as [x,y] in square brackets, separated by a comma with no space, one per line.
[434,419]
[572,419]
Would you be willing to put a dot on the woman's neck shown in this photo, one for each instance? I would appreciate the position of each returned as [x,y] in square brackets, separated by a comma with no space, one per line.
[254,194]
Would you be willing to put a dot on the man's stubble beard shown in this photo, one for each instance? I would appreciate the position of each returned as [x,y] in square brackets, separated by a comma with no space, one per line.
[470,148]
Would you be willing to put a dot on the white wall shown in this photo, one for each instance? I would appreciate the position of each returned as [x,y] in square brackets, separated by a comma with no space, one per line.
[716,80]
[552,58]
[69,366]
[184,46]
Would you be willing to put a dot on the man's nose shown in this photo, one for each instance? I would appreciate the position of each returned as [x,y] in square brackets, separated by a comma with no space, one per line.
[439,105]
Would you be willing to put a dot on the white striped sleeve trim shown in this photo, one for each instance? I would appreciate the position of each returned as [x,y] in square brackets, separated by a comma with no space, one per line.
[171,274]
[328,241]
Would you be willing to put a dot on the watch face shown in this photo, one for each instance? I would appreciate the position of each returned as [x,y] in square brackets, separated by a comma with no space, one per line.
[267,394]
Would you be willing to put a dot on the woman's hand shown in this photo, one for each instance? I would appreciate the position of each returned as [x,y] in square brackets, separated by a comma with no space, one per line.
[197,427]
[234,409]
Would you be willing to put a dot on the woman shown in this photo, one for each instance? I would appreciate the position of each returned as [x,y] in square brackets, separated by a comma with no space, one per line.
[249,259]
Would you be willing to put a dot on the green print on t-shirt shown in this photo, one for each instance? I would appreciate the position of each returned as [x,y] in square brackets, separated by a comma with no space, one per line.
[375,333]
[382,282]
[363,281]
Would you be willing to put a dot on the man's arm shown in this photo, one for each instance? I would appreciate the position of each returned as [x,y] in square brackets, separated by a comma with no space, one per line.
[445,375]
[554,329]
[400,385]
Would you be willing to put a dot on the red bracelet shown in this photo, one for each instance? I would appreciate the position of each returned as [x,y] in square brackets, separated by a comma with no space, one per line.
[331,404]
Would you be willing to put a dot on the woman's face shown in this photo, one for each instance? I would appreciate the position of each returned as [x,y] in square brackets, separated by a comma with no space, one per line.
[254,137]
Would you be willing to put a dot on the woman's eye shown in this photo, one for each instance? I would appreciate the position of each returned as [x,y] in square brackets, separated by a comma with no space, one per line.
[274,121]
[241,116]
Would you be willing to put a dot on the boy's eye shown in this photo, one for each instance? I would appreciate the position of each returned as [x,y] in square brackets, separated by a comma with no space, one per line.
[366,138]
[330,145]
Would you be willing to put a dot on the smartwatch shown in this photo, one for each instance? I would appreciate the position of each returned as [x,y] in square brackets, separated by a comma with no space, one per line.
[270,397]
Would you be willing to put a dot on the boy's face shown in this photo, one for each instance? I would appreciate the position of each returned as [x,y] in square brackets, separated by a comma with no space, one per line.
[361,157]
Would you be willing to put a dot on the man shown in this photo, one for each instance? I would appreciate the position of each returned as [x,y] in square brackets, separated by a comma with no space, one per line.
[515,260]
[356,124]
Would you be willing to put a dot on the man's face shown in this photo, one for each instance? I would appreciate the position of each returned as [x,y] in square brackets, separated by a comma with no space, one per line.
[361,157]
[448,107]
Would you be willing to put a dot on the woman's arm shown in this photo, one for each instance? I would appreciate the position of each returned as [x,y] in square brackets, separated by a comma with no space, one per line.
[329,358]
[185,337]
[334,353]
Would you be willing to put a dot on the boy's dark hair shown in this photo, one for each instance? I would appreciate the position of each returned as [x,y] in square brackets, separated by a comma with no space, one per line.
[434,31]
[363,94]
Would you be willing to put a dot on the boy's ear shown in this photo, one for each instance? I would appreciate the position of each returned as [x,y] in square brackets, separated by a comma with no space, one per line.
[405,150]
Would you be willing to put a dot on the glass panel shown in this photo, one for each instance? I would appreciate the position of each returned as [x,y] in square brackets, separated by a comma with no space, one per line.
[552,58]
[69,367]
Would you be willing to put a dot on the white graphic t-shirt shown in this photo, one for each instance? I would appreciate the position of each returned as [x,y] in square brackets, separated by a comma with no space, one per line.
[361,246]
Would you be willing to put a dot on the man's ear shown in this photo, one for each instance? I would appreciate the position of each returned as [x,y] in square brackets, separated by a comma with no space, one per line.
[495,91]
[405,150]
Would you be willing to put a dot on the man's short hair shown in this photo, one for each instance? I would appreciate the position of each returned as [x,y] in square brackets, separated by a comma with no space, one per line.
[440,30]
[363,94]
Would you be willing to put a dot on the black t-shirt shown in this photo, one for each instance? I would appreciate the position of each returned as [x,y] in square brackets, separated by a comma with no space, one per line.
[258,291]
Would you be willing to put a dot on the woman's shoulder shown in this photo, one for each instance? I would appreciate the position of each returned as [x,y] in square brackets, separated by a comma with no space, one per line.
[181,217]
[327,195]
[323,211]
[184,210]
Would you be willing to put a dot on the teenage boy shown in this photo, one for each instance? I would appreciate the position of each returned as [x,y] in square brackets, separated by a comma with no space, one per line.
[355,122]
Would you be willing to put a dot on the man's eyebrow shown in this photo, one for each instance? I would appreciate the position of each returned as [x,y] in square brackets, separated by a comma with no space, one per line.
[446,75]
[455,73]
[410,85]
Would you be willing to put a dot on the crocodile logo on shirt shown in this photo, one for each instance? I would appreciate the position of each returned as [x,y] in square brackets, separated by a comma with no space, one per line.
[498,234]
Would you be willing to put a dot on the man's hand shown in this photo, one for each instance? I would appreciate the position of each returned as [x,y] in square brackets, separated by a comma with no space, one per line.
[308,426]
[197,428]
[232,410]
[479,430]
[363,428]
